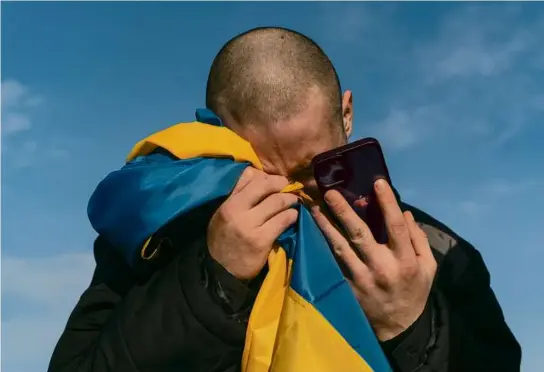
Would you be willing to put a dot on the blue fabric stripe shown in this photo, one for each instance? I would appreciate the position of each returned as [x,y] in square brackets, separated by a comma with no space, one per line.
[318,279]
[133,203]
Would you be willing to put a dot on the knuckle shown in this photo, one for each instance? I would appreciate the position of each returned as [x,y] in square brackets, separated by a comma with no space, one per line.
[249,172]
[338,209]
[386,275]
[285,200]
[362,282]
[247,177]
[337,248]
[228,215]
[398,228]
[291,216]
[290,199]
[409,269]
[227,209]
[359,235]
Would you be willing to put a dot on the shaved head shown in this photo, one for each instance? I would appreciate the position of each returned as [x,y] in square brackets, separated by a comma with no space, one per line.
[267,75]
[278,90]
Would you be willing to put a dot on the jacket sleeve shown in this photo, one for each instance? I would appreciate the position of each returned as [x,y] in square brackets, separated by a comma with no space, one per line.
[177,318]
[462,328]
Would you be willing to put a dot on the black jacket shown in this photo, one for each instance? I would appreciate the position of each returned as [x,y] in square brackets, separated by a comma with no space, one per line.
[186,313]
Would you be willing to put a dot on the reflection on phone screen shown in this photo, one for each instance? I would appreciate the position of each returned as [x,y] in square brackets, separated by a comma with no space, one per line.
[353,173]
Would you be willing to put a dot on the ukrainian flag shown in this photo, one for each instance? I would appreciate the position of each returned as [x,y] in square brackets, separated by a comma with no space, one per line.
[305,317]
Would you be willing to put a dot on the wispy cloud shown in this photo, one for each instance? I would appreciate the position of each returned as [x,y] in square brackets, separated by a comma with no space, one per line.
[22,146]
[473,208]
[403,128]
[475,42]
[355,23]
[502,188]
[473,79]
[491,195]
[17,104]
[42,291]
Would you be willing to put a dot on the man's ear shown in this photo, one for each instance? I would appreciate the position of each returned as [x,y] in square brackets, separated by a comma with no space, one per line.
[347,112]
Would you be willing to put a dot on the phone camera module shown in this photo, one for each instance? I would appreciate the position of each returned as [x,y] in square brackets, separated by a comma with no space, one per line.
[333,173]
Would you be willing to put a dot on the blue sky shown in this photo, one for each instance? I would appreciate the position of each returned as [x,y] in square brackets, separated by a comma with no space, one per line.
[454,91]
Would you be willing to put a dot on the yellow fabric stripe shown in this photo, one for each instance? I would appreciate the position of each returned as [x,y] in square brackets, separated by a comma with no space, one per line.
[308,342]
[192,140]
[285,333]
[262,329]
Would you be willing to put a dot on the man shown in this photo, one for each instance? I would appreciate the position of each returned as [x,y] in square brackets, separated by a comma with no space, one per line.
[278,90]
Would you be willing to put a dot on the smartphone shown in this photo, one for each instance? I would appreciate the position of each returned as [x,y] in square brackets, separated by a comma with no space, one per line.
[352,170]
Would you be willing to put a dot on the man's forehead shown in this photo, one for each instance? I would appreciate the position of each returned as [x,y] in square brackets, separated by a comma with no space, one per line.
[292,148]
[289,145]
[312,123]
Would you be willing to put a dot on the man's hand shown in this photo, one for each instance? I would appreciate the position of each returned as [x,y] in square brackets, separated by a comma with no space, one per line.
[392,282]
[242,232]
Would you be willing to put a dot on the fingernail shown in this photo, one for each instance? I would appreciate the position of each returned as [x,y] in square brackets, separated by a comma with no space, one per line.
[380,184]
[328,197]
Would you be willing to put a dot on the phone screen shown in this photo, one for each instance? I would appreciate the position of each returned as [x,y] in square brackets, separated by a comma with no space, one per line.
[352,171]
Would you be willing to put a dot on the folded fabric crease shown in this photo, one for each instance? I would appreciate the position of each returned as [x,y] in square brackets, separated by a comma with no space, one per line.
[305,317]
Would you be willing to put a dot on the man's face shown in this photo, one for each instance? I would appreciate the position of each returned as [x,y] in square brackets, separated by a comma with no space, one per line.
[287,148]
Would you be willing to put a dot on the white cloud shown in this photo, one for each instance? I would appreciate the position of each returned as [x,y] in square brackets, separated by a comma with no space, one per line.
[51,281]
[490,196]
[397,130]
[17,103]
[477,41]
[472,208]
[403,128]
[20,145]
[25,156]
[357,21]
[12,93]
[51,285]
[473,80]
[501,188]
[14,122]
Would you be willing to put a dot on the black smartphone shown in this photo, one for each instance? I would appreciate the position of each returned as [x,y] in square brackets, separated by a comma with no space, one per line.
[352,170]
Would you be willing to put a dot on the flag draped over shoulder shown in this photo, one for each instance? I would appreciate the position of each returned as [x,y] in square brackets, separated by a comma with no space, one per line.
[305,317]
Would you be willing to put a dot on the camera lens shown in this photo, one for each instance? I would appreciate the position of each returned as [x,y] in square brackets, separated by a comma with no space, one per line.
[332,173]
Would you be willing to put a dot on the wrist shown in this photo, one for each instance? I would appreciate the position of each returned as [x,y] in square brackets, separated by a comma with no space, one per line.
[386,333]
[408,350]
[235,266]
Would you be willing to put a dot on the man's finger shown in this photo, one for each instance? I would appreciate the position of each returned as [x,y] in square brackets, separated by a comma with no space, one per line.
[339,245]
[357,230]
[260,186]
[244,180]
[276,225]
[397,229]
[271,206]
[420,241]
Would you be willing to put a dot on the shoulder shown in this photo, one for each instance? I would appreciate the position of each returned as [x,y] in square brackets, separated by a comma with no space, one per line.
[460,263]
